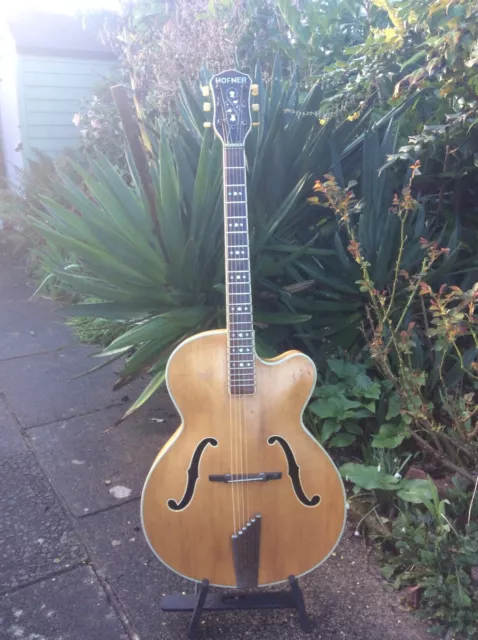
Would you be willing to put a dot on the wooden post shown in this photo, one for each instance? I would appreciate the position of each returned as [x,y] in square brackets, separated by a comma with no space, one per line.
[131,131]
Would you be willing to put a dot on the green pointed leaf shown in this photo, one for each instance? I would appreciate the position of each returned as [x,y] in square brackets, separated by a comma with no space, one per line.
[389,436]
[328,428]
[368,477]
[152,387]
[342,440]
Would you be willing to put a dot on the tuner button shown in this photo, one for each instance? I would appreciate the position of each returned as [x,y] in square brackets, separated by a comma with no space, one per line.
[205,91]
[255,106]
[207,106]
[207,125]
[255,89]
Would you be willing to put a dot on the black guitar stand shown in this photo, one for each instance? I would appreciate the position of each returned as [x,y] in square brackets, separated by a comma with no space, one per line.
[202,600]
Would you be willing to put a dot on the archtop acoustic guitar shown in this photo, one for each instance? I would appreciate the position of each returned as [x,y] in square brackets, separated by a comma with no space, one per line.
[241,494]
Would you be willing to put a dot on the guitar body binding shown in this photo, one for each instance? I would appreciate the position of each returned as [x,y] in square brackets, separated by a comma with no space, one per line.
[190,522]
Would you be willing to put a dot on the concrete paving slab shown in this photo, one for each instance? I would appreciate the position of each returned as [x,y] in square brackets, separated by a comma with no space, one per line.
[42,388]
[11,440]
[28,326]
[119,551]
[343,597]
[72,606]
[14,282]
[101,464]
[36,536]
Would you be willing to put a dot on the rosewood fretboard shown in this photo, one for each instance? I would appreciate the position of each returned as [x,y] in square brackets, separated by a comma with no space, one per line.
[238,274]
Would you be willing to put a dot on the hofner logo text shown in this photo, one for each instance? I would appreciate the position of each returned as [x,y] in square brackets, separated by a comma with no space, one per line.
[238,80]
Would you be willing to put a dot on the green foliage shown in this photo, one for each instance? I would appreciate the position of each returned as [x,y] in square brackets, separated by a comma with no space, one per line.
[172,286]
[401,329]
[436,552]
[97,331]
[370,56]
[372,478]
[100,125]
[345,406]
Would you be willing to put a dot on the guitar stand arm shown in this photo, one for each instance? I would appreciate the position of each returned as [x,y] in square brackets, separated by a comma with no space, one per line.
[202,600]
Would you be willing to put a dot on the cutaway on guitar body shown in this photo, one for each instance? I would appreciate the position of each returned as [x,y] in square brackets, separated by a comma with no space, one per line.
[249,472]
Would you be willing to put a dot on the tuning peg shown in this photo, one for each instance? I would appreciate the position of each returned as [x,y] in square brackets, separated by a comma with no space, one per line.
[255,89]
[207,106]
[256,124]
[205,90]
[255,106]
[207,125]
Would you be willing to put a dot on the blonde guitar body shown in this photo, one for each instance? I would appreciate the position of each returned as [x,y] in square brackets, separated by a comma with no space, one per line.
[190,517]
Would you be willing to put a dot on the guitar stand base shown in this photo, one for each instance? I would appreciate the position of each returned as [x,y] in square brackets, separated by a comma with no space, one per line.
[202,600]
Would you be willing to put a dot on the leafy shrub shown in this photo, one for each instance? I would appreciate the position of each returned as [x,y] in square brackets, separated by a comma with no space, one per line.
[100,125]
[400,328]
[436,553]
[370,56]
[345,401]
[171,286]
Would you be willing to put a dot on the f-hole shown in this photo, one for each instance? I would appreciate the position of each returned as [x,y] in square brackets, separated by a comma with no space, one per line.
[192,475]
[294,473]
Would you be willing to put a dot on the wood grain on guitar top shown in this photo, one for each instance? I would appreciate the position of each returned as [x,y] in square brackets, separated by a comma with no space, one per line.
[196,541]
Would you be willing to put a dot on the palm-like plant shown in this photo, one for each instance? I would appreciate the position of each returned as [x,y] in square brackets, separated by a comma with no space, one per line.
[167,287]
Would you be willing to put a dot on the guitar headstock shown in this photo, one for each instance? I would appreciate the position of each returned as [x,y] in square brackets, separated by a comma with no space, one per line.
[231,96]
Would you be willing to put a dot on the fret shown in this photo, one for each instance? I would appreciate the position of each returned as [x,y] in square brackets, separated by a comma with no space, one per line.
[235,202]
[243,367]
[235,185]
[239,376]
[242,373]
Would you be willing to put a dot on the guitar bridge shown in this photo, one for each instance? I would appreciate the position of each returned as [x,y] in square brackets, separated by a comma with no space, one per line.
[229,478]
[245,553]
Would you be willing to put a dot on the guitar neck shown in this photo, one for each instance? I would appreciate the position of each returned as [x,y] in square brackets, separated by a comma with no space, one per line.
[240,331]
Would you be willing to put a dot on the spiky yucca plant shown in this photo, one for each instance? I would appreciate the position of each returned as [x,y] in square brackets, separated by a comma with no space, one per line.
[167,287]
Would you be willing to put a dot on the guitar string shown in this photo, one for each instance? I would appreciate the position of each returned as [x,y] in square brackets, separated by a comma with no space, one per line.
[235,371]
[228,293]
[228,355]
[249,305]
[234,387]
[241,160]
[238,374]
[238,160]
[250,324]
[235,159]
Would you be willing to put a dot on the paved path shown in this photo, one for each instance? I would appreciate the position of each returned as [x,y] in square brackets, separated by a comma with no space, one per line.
[73,561]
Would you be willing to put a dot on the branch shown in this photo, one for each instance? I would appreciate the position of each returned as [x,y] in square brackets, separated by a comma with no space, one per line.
[447,463]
